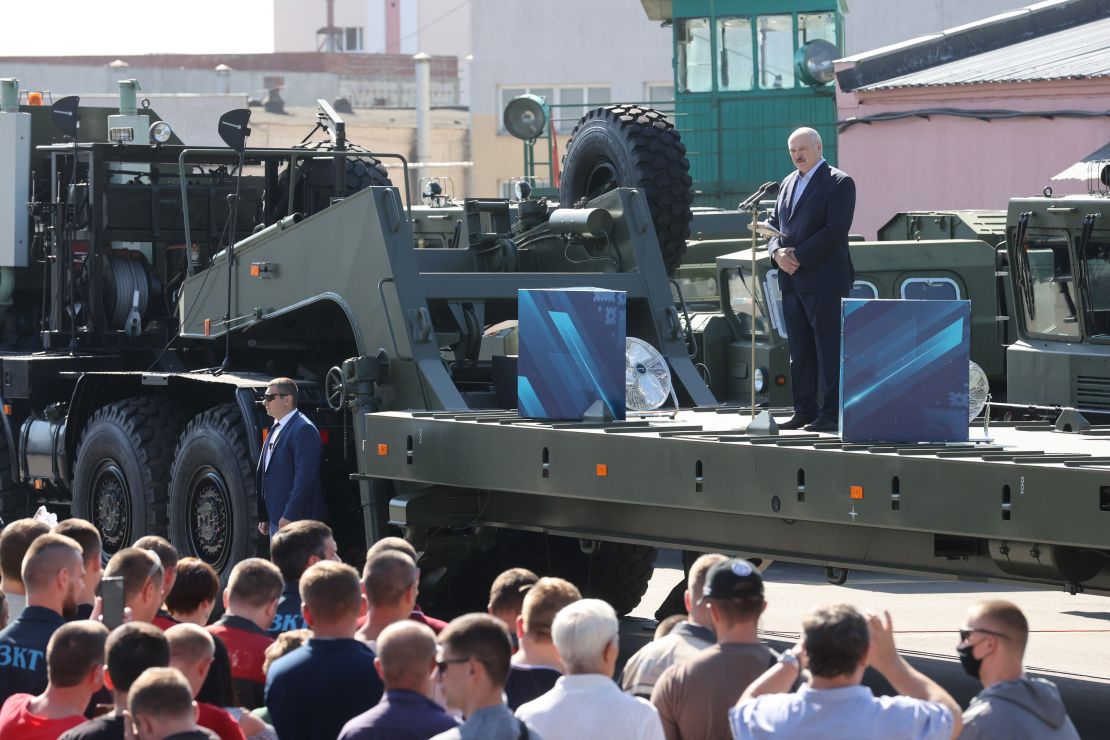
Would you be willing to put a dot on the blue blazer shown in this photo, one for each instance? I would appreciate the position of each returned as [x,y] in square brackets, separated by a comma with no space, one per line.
[817,229]
[290,487]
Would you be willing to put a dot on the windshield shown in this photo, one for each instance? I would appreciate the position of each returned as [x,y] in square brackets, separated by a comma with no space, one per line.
[699,286]
[1096,258]
[740,301]
[1047,287]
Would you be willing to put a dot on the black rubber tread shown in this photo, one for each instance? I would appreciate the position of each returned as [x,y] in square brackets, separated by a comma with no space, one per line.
[362,172]
[148,429]
[221,429]
[15,500]
[619,574]
[647,153]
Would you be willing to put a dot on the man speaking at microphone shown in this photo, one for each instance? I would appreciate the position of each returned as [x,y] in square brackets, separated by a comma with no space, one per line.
[814,212]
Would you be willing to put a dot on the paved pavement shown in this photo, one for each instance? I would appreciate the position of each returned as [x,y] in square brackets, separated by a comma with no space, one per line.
[1070,641]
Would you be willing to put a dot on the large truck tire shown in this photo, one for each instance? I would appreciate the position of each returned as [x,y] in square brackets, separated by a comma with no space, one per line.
[313,182]
[616,572]
[122,470]
[213,508]
[633,147]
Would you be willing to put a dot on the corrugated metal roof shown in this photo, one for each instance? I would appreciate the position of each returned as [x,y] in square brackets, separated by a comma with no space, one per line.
[1080,52]
[1087,167]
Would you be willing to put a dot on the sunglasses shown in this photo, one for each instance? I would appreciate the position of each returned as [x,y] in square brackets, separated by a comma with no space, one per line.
[966,633]
[271,396]
[442,664]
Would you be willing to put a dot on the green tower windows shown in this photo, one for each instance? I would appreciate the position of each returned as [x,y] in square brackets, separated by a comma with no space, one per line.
[735,69]
[693,55]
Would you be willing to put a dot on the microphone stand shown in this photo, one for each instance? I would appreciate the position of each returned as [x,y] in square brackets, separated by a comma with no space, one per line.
[764,423]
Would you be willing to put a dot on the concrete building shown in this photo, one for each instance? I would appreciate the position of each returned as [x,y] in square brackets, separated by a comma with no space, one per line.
[366,80]
[978,114]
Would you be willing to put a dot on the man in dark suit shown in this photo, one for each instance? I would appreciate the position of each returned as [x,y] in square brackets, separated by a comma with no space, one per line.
[288,476]
[814,210]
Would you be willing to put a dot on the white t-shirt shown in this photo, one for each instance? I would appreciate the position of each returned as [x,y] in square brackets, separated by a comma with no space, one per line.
[591,705]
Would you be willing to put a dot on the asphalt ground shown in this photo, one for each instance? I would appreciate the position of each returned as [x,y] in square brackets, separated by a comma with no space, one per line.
[1069,644]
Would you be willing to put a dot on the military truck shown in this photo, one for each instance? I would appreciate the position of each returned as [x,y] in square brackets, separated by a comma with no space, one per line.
[178,281]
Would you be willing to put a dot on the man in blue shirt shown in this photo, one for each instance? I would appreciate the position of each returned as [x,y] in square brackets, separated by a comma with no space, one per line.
[293,550]
[406,662]
[54,576]
[839,644]
[314,690]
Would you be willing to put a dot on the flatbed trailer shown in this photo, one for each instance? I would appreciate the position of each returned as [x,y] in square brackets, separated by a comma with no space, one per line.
[1030,506]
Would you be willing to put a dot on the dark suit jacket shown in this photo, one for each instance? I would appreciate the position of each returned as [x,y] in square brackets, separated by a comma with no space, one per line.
[290,486]
[817,229]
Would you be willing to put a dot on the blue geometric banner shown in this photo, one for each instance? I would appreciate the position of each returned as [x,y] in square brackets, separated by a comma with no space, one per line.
[904,371]
[571,352]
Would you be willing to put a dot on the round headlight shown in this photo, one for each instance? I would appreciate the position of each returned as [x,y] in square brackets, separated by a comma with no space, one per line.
[160,132]
[759,377]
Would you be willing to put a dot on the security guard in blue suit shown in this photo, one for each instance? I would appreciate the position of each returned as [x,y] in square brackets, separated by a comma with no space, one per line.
[814,210]
[288,475]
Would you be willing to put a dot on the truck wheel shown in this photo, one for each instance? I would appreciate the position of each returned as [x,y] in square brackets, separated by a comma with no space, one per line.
[314,195]
[213,509]
[123,465]
[614,571]
[633,147]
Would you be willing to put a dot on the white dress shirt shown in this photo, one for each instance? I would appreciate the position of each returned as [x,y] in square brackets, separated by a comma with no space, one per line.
[800,184]
[591,705]
[272,438]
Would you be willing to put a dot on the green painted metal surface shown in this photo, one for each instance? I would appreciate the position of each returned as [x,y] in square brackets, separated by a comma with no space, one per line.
[737,96]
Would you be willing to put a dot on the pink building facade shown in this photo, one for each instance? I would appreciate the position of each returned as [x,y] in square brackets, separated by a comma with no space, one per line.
[944,162]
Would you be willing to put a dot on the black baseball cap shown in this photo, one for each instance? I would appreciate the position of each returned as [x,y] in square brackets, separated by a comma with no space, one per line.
[732,579]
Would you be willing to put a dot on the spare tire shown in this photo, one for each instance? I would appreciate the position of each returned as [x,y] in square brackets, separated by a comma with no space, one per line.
[629,146]
[314,186]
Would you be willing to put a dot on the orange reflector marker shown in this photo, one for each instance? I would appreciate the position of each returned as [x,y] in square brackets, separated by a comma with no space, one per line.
[856,491]
[208,327]
[34,98]
[7,409]
[602,470]
[383,450]
[325,436]
[780,380]
[40,484]
[256,270]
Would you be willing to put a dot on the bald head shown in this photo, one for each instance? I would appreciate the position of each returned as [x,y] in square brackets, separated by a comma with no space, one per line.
[1004,618]
[54,574]
[805,149]
[406,653]
[189,644]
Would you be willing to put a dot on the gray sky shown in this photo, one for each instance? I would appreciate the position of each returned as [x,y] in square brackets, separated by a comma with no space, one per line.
[69,27]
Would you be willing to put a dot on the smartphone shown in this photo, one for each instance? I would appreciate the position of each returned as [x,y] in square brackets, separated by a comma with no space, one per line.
[111,595]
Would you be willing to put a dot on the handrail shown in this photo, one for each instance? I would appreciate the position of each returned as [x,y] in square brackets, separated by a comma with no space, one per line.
[265,153]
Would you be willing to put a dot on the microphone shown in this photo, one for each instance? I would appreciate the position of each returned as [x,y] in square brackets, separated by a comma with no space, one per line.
[767,188]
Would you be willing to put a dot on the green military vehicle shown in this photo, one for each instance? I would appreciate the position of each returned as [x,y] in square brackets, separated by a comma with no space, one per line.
[178,281]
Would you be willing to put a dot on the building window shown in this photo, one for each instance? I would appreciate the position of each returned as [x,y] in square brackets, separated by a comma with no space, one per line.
[352,39]
[775,38]
[930,289]
[659,93]
[816,26]
[693,55]
[567,103]
[734,54]
[864,289]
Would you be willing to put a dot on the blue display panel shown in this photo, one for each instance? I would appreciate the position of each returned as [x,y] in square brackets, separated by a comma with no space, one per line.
[904,371]
[571,352]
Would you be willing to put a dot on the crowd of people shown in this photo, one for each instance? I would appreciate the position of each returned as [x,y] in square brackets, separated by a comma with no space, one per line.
[308,648]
